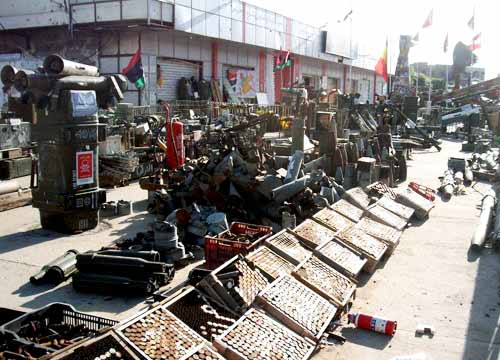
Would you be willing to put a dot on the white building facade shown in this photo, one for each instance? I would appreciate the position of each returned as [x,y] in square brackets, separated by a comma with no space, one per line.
[204,39]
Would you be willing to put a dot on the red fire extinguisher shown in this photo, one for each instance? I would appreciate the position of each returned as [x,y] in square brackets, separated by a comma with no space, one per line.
[368,322]
[174,132]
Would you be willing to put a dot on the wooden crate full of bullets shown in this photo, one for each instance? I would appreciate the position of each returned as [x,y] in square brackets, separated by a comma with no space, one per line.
[158,334]
[389,235]
[326,281]
[378,213]
[201,314]
[342,257]
[203,352]
[258,336]
[298,307]
[313,233]
[270,263]
[349,210]
[234,284]
[370,247]
[332,220]
[401,210]
[108,346]
[287,244]
[357,196]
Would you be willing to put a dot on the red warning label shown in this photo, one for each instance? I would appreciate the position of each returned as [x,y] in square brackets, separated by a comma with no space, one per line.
[84,167]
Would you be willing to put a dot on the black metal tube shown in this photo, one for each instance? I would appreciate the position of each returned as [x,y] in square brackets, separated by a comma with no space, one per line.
[57,65]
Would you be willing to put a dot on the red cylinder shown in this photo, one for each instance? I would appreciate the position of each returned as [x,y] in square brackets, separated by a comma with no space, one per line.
[368,322]
[175,144]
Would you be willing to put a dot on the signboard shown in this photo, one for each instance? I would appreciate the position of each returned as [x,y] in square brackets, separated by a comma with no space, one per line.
[337,40]
[84,167]
[243,82]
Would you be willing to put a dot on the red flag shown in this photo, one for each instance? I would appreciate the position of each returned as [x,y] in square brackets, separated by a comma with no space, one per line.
[471,22]
[381,67]
[445,46]
[428,21]
[476,42]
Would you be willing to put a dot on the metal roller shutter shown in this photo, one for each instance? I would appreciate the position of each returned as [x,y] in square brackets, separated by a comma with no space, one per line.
[171,72]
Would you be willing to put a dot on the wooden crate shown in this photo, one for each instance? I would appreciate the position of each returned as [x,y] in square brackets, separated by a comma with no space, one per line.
[342,257]
[236,298]
[93,348]
[163,325]
[358,197]
[201,313]
[269,263]
[389,235]
[203,352]
[12,153]
[313,233]
[380,214]
[287,244]
[347,209]
[297,306]
[264,339]
[369,246]
[325,280]
[399,209]
[332,220]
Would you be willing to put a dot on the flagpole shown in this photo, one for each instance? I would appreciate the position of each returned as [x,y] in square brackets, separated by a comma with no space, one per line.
[446,85]
[430,83]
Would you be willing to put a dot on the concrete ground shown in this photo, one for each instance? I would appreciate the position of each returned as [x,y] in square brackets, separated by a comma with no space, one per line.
[432,277]
[25,247]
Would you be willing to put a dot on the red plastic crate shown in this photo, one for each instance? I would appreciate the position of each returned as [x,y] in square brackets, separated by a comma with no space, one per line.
[219,249]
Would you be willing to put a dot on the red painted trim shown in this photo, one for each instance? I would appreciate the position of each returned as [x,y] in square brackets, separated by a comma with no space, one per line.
[262,68]
[244,11]
[345,79]
[215,60]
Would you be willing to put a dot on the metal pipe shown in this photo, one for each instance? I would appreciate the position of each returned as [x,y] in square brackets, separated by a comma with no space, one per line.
[481,232]
[57,65]
[9,186]
[26,80]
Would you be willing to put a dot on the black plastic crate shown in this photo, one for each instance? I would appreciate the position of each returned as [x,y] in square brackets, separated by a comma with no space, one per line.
[57,313]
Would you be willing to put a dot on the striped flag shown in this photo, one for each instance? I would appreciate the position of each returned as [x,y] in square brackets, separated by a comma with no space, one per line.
[476,42]
[381,67]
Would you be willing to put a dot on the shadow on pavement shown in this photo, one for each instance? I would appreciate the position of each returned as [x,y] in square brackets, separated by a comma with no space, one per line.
[482,339]
[25,239]
[366,338]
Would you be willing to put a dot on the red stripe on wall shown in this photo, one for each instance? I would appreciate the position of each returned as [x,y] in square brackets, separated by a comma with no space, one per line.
[215,60]
[262,67]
